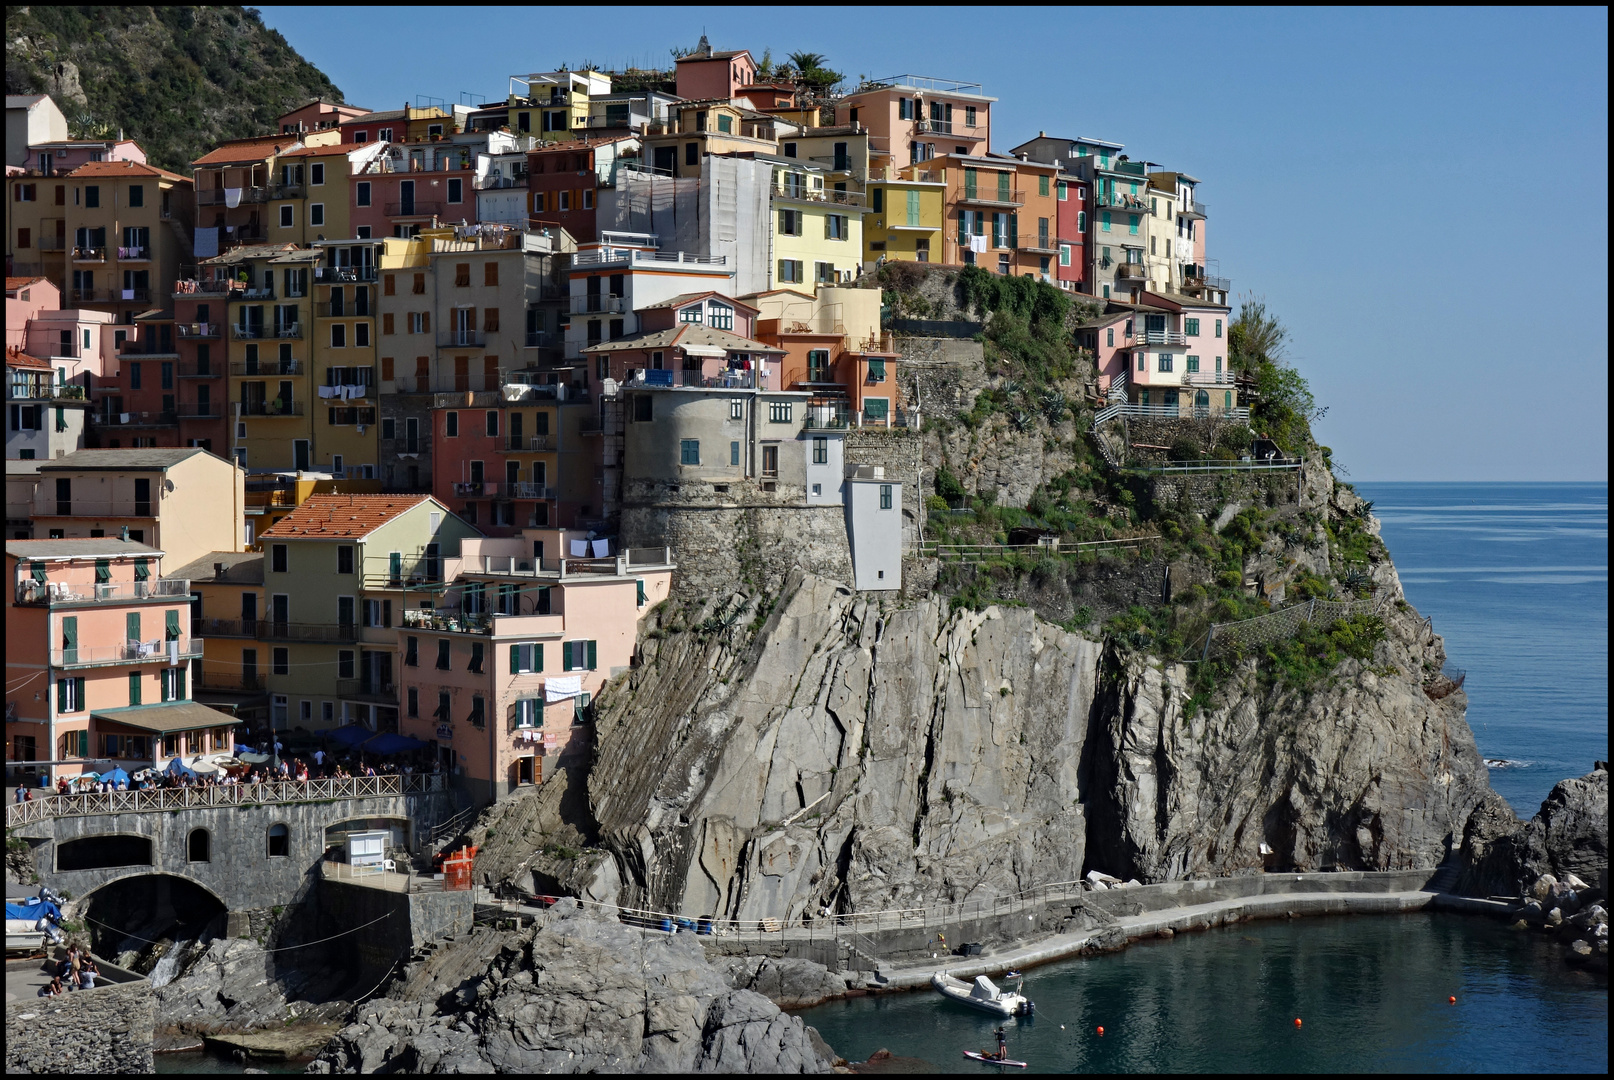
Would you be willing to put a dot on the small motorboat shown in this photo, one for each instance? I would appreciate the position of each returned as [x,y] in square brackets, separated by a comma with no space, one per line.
[988,1059]
[982,994]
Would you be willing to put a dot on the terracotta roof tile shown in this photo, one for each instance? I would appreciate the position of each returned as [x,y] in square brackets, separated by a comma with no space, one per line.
[332,148]
[246,150]
[122,168]
[326,517]
[22,282]
[18,359]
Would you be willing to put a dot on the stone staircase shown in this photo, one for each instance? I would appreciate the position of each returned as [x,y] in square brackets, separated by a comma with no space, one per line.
[1444,877]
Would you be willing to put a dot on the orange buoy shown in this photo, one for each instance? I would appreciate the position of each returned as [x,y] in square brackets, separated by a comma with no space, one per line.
[1452,1000]
[1101,1030]
[1297,1021]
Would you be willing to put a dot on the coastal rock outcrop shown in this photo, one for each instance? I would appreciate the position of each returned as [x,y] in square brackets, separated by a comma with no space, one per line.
[581,994]
[1568,835]
[842,751]
[233,984]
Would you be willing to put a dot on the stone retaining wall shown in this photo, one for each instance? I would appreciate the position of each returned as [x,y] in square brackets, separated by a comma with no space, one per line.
[106,1030]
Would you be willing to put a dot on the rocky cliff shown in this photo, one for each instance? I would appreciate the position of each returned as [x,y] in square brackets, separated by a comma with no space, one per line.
[846,752]
[582,994]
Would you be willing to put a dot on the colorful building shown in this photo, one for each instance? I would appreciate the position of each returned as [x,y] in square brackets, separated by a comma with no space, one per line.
[907,216]
[311,199]
[564,181]
[183,500]
[227,610]
[45,419]
[834,349]
[817,228]
[706,73]
[1001,213]
[696,130]
[233,182]
[914,118]
[338,573]
[98,661]
[555,106]
[500,676]
[318,115]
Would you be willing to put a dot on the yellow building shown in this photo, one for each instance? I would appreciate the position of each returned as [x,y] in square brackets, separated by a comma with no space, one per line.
[423,125]
[343,346]
[817,230]
[227,611]
[556,105]
[906,216]
[698,128]
[312,196]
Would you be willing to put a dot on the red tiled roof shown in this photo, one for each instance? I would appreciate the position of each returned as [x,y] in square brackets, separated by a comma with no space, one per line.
[245,150]
[18,359]
[123,168]
[322,517]
[22,282]
[333,148]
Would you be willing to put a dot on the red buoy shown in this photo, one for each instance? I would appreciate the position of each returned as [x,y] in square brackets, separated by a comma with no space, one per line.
[1297,1021]
[1452,1000]
[1101,1030]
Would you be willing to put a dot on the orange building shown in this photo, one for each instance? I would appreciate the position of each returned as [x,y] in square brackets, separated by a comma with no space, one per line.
[1001,213]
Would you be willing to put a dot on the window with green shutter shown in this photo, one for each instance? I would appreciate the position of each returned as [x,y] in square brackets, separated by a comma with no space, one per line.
[877,370]
[173,626]
[134,688]
[580,708]
[84,743]
[639,585]
[515,659]
[1132,224]
[131,623]
[913,208]
[103,570]
[61,695]
[476,658]
[566,655]
[1003,187]
[1042,185]
[969,183]
[70,639]
[142,570]
[39,572]
[591,663]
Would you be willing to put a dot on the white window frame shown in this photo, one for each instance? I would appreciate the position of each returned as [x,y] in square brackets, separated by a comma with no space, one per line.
[316,174]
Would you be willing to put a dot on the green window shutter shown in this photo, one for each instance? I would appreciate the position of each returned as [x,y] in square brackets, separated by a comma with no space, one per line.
[876,370]
[132,624]
[61,418]
[538,657]
[515,659]
[173,626]
[78,693]
[639,583]
[134,688]
[61,695]
[142,570]
[179,683]
[913,208]
[84,743]
[1014,230]
[70,631]
[103,570]
[566,656]
[39,572]
[591,656]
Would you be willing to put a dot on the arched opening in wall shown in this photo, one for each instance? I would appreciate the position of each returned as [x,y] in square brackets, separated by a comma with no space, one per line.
[103,852]
[198,847]
[140,921]
[279,841]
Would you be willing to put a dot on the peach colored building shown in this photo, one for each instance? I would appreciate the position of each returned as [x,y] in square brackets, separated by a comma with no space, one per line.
[26,297]
[98,658]
[500,678]
[708,73]
[184,500]
[913,118]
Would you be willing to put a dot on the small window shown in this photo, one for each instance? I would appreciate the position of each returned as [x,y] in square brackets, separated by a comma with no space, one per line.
[736,408]
[780,412]
[451,424]
[198,848]
[689,452]
[885,496]
[277,558]
[279,842]
[286,213]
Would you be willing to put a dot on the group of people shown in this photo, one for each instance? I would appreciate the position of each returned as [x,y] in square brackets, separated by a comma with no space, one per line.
[75,971]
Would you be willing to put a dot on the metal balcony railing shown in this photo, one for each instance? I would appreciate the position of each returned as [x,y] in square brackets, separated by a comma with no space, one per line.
[267,368]
[256,332]
[89,254]
[1116,200]
[204,330]
[146,418]
[199,410]
[43,593]
[520,490]
[134,254]
[196,287]
[413,209]
[225,628]
[336,275]
[597,303]
[461,339]
[133,652]
[44,392]
[994,196]
[476,487]
[338,633]
[216,196]
[269,409]
[529,444]
[1158,337]
[544,339]
[232,682]
[1131,272]
[348,309]
[91,296]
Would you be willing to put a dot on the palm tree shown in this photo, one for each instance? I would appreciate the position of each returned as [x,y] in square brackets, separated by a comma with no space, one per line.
[805,62]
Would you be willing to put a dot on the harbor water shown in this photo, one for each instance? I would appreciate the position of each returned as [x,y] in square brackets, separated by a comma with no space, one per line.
[1371,993]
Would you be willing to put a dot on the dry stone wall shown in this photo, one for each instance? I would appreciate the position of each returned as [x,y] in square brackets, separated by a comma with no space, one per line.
[106,1030]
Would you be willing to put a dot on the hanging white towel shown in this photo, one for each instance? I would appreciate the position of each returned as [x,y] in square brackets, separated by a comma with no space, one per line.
[602,548]
[128,294]
[173,652]
[562,687]
[329,391]
[232,197]
[206,245]
[123,418]
[579,549]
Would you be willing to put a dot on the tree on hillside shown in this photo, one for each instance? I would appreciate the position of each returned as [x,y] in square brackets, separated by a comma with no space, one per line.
[1284,408]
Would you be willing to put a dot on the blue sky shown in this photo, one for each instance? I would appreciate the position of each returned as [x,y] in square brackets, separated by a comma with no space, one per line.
[1421,195]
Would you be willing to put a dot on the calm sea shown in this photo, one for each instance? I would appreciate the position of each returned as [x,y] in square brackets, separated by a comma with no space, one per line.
[1371,992]
[1515,577]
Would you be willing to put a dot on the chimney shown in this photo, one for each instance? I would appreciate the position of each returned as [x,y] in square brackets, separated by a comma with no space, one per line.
[123,534]
[218,570]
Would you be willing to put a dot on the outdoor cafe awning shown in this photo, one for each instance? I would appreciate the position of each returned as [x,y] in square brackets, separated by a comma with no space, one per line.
[169,716]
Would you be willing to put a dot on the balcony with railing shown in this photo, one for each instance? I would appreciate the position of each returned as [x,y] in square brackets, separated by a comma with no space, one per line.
[203,331]
[261,331]
[261,409]
[417,208]
[994,196]
[1142,336]
[461,339]
[92,296]
[590,304]
[267,368]
[378,693]
[636,255]
[218,196]
[89,254]
[1041,243]
[476,487]
[333,633]
[529,444]
[132,652]
[1116,200]
[149,418]
[1197,210]
[41,390]
[523,490]
[226,628]
[1194,276]
[544,339]
[1209,378]
[33,593]
[338,275]
[136,253]
[199,370]
[1131,272]
[819,195]
[955,128]
[231,682]
[347,309]
[203,287]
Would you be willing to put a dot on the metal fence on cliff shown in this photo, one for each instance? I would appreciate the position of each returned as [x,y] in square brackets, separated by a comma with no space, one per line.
[1278,625]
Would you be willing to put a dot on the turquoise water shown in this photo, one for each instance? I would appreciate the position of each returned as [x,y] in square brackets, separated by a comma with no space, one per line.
[1370,990]
[1515,577]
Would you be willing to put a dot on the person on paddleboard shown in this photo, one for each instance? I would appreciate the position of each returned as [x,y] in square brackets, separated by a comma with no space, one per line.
[1003,1045]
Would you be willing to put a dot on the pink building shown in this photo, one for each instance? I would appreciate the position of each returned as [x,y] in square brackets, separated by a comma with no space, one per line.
[706,74]
[60,158]
[500,679]
[1071,226]
[26,297]
[98,658]
[1110,338]
[1166,356]
[693,339]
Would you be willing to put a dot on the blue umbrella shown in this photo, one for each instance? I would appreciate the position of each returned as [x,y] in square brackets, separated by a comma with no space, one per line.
[351,734]
[116,776]
[388,743]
